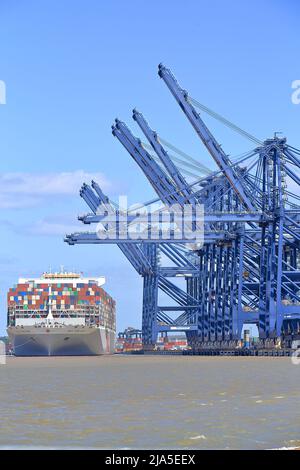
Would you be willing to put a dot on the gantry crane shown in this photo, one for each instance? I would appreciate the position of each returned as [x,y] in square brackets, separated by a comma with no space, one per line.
[246,269]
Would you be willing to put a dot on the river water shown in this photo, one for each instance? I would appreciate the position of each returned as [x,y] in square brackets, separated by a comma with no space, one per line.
[144,402]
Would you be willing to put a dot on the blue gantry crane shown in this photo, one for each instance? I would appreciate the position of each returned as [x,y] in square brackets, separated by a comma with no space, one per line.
[245,269]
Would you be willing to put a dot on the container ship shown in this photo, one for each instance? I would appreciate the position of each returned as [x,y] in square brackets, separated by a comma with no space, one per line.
[61,314]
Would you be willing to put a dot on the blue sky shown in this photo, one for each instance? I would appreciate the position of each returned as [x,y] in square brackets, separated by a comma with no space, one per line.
[71,67]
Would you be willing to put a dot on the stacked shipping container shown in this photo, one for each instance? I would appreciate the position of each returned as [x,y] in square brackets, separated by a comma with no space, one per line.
[68,298]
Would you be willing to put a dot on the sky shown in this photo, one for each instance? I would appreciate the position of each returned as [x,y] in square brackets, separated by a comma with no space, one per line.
[70,68]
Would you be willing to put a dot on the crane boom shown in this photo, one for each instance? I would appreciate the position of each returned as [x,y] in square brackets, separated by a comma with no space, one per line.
[162,154]
[156,176]
[207,138]
[90,198]
[134,254]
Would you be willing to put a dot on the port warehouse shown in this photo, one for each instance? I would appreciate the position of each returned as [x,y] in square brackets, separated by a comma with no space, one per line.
[247,270]
[69,298]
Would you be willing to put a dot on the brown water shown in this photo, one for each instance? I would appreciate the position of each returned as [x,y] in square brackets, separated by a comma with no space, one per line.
[150,402]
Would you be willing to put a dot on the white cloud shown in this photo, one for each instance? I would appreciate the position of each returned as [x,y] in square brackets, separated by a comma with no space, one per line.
[51,226]
[58,225]
[20,190]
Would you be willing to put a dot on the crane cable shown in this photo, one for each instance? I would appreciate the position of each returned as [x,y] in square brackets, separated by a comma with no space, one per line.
[224,121]
[194,172]
[204,168]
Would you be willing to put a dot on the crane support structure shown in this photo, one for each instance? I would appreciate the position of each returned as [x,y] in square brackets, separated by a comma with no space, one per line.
[232,259]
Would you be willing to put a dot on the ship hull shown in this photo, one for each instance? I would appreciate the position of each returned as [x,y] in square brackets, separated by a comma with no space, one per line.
[61,341]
